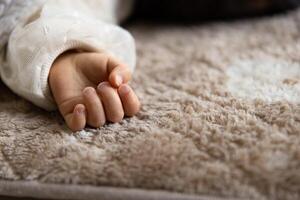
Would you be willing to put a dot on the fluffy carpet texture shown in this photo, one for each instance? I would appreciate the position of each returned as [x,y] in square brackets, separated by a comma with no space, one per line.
[220,117]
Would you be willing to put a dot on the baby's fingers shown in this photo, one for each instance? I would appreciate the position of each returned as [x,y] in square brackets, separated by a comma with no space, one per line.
[111,102]
[76,121]
[118,74]
[95,111]
[130,101]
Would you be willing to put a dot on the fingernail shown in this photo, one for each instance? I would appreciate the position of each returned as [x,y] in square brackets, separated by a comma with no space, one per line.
[80,110]
[124,89]
[118,80]
[88,90]
[99,87]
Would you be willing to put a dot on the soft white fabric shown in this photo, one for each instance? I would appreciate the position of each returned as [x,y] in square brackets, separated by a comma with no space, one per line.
[11,13]
[62,25]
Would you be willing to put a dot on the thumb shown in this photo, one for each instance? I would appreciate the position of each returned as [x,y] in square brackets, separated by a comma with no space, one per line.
[119,75]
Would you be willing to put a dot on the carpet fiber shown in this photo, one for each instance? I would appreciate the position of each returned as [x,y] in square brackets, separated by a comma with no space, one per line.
[220,117]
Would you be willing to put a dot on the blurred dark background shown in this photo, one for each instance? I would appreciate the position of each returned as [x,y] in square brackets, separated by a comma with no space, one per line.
[203,10]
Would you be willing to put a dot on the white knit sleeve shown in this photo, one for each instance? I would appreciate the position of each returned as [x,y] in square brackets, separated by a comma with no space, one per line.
[32,49]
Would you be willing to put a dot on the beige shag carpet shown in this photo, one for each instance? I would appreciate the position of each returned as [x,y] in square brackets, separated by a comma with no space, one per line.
[220,117]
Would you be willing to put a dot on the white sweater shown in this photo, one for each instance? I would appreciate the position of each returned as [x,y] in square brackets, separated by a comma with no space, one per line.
[51,27]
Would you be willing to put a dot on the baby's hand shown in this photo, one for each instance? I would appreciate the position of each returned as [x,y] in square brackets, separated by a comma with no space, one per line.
[91,88]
